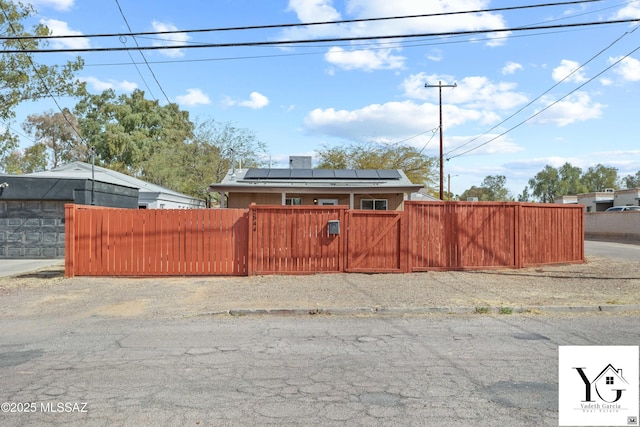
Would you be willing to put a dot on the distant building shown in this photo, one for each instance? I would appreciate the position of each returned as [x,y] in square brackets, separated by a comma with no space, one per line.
[600,201]
[151,196]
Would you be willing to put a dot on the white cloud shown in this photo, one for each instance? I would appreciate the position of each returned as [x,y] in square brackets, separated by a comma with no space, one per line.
[256,101]
[100,85]
[576,108]
[323,10]
[511,67]
[367,60]
[55,4]
[314,10]
[474,92]
[500,145]
[389,122]
[175,39]
[630,11]
[565,70]
[436,55]
[193,97]
[628,68]
[61,28]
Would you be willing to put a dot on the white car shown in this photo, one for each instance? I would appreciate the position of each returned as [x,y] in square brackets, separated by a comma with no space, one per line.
[623,208]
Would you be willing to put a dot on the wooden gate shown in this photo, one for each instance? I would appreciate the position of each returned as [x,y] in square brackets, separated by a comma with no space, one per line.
[295,240]
[376,242]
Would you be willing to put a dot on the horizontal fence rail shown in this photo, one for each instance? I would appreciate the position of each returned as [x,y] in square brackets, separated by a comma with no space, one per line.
[320,239]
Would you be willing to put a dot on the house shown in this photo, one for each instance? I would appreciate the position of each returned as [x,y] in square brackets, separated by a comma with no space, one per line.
[151,196]
[600,201]
[32,212]
[374,189]
[610,383]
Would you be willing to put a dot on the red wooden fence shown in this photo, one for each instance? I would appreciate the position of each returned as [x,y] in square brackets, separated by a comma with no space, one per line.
[296,239]
[155,242]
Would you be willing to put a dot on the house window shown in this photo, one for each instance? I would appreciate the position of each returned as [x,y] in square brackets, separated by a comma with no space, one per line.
[373,204]
[609,380]
[293,201]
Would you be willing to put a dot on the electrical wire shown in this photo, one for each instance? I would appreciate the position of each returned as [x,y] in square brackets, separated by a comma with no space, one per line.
[326,40]
[550,105]
[123,39]
[542,94]
[42,80]
[303,24]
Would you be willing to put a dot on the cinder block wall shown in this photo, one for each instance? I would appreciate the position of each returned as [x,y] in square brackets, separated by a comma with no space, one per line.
[31,229]
[612,225]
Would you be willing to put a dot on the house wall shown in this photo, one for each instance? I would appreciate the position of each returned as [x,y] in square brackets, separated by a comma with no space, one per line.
[32,229]
[612,225]
[395,201]
[605,201]
[627,197]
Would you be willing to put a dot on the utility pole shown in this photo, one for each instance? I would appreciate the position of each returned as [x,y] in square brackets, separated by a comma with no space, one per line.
[440,86]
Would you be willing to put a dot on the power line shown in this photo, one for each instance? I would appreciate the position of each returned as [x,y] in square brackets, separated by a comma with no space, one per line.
[42,80]
[536,99]
[307,24]
[376,46]
[550,105]
[124,41]
[326,40]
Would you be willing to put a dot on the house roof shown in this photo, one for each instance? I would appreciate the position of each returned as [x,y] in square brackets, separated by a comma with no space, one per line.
[315,180]
[84,170]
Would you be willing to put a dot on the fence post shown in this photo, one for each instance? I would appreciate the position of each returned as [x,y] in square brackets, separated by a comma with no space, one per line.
[518,236]
[252,225]
[69,240]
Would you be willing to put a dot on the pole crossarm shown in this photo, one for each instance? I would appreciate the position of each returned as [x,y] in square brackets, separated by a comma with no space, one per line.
[440,86]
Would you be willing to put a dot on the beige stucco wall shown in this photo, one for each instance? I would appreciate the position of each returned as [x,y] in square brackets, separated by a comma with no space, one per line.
[619,225]
[395,201]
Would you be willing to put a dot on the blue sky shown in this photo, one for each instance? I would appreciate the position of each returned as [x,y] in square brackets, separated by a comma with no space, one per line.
[298,99]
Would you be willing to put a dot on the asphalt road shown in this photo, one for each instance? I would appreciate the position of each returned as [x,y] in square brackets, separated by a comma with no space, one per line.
[435,370]
[615,250]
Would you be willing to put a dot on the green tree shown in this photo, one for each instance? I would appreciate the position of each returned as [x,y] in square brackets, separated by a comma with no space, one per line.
[33,159]
[524,196]
[632,181]
[496,188]
[599,177]
[473,192]
[59,133]
[493,188]
[545,185]
[205,159]
[570,180]
[419,168]
[21,77]
[128,130]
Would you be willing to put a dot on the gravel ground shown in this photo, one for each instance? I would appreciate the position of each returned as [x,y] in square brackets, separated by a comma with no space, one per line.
[598,282]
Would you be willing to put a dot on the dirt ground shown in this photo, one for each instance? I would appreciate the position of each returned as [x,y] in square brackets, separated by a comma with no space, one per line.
[598,282]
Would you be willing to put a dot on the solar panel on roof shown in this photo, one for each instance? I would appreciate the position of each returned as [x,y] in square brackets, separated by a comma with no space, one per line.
[388,174]
[367,174]
[256,174]
[301,173]
[279,173]
[345,174]
[323,173]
